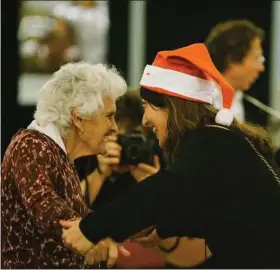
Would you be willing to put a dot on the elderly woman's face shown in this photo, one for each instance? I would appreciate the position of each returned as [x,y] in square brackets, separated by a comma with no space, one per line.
[100,127]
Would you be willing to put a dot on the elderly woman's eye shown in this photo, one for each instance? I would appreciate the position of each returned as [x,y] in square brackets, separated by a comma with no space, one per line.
[110,116]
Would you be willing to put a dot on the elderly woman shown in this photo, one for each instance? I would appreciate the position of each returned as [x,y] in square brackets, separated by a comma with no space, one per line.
[40,185]
[222,183]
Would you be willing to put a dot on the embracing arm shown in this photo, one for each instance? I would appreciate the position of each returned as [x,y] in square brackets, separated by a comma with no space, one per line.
[136,210]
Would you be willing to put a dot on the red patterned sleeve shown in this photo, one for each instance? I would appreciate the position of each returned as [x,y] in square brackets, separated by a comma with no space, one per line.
[33,174]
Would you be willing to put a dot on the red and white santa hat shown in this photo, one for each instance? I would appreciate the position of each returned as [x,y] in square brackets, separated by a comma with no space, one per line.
[189,73]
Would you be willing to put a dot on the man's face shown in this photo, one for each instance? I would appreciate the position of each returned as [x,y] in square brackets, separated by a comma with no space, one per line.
[242,75]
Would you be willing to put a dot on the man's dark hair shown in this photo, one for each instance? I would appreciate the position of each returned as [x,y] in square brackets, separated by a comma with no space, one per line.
[231,41]
[129,110]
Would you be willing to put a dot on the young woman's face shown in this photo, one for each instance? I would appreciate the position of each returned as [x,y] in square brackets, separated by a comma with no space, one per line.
[156,118]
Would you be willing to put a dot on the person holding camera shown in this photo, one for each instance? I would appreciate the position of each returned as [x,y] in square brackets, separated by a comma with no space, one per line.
[125,163]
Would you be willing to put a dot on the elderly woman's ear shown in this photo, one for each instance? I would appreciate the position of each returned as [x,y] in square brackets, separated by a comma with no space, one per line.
[77,121]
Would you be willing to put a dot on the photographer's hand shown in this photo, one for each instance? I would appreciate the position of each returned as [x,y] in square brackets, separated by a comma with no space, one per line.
[111,158]
[142,170]
[106,165]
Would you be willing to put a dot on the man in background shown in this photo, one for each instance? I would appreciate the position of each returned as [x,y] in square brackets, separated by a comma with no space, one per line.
[236,50]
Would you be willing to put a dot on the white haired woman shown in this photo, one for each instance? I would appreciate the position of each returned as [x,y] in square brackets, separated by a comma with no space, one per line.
[40,185]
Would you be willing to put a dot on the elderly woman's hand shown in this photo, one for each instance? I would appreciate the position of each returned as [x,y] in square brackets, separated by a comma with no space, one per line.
[106,250]
[73,238]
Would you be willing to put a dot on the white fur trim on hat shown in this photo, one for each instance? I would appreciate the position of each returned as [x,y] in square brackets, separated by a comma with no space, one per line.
[224,117]
[179,83]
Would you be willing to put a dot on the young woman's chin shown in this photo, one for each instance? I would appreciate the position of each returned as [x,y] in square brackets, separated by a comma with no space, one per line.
[161,141]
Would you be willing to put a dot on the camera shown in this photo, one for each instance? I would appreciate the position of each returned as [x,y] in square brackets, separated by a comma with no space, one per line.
[136,148]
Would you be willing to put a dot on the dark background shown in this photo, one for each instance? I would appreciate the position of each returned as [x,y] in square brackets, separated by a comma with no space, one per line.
[170,24]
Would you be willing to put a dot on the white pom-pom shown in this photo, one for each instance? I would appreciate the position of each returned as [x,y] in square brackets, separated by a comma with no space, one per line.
[224,117]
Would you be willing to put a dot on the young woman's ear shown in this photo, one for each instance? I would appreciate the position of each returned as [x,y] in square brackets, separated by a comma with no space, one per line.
[77,121]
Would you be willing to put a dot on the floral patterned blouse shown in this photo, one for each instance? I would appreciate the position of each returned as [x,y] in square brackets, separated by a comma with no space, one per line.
[39,186]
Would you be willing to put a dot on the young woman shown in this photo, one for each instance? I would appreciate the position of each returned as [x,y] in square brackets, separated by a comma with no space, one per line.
[222,183]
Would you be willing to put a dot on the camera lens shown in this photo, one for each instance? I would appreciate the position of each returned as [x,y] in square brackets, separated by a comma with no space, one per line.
[134,151]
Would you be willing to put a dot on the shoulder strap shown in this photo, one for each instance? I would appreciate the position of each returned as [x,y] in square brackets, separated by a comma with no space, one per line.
[275,175]
[270,168]
[217,126]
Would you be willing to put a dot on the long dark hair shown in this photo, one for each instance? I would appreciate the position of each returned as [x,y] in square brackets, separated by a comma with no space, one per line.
[185,115]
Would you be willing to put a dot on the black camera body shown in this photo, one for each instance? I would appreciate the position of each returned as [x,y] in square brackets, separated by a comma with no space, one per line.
[136,148]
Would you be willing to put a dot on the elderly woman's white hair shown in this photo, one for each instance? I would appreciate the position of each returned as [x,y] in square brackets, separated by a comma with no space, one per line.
[77,85]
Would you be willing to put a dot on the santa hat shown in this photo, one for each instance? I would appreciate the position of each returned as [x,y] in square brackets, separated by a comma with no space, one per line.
[189,73]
